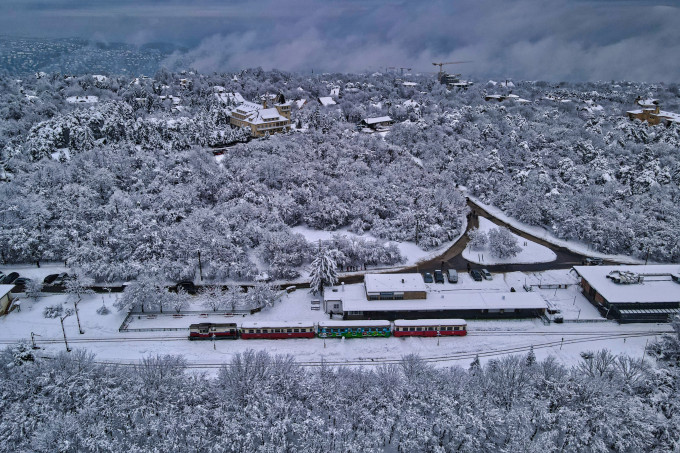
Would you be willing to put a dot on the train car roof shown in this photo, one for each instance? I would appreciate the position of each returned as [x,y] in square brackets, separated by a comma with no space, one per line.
[216,324]
[429,322]
[275,324]
[360,323]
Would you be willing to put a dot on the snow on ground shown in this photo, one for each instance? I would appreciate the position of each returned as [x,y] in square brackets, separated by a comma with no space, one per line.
[542,233]
[531,251]
[409,250]
[488,338]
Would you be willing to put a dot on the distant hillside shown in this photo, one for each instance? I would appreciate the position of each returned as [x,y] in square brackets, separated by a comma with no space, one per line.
[77,56]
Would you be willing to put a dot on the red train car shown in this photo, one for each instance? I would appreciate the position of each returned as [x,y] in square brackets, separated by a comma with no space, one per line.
[277,330]
[211,331]
[429,327]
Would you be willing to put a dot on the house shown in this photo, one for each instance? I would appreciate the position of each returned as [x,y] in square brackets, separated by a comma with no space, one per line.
[405,296]
[633,293]
[326,101]
[260,118]
[375,123]
[5,298]
[651,113]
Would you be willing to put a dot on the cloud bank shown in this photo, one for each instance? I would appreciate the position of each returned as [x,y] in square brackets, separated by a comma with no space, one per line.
[524,39]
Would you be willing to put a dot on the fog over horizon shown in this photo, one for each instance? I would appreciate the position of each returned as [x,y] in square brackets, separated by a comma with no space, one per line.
[577,40]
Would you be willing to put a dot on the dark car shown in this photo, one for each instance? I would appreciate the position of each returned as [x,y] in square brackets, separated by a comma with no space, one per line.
[49,280]
[476,275]
[2,275]
[62,279]
[187,286]
[593,261]
[20,284]
[9,278]
[438,276]
[427,277]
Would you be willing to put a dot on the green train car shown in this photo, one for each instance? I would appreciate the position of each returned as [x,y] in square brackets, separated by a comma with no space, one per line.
[354,329]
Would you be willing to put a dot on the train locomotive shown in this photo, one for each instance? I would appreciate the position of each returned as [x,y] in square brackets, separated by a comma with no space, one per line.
[328,329]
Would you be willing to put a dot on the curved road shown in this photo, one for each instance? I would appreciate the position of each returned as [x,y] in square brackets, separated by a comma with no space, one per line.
[452,258]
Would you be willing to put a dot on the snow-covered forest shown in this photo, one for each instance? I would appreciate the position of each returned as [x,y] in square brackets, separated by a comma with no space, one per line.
[124,180]
[260,402]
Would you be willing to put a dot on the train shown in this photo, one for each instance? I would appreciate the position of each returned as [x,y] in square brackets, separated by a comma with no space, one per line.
[277,330]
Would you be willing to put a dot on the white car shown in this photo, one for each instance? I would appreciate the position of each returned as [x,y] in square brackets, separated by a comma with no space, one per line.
[486,274]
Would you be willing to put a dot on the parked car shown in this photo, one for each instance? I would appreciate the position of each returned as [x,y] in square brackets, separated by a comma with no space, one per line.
[49,280]
[2,275]
[438,276]
[452,276]
[486,274]
[476,275]
[593,261]
[427,277]
[20,284]
[187,286]
[9,278]
[62,279]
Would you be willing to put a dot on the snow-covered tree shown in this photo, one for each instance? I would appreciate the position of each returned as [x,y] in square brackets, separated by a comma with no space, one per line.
[146,292]
[502,243]
[478,239]
[323,271]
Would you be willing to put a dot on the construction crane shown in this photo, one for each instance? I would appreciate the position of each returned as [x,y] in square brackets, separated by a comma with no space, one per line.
[450,62]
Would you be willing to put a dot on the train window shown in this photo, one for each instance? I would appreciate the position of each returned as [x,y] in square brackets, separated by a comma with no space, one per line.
[289,330]
[418,329]
[296,330]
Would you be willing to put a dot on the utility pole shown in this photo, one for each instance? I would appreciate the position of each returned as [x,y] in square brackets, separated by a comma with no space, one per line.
[61,319]
[75,306]
[33,335]
[417,229]
[200,266]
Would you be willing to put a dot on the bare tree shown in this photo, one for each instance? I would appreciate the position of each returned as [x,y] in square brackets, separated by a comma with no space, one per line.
[76,288]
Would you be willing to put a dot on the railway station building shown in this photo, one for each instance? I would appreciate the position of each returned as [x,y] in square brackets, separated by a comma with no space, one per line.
[405,296]
[632,293]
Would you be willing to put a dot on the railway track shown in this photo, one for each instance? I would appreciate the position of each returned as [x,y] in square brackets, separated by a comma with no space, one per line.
[566,338]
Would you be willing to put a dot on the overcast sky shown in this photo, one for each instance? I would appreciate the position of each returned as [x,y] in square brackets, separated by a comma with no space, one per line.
[522,39]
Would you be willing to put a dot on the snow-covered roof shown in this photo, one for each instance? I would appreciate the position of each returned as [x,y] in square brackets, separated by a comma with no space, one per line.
[300,103]
[82,99]
[409,84]
[326,101]
[429,322]
[4,289]
[359,323]
[653,289]
[648,102]
[634,112]
[354,298]
[231,98]
[380,119]
[381,283]
[671,116]
[277,325]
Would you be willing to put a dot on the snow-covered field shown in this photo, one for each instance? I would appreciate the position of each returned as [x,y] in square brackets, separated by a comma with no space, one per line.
[489,338]
[531,251]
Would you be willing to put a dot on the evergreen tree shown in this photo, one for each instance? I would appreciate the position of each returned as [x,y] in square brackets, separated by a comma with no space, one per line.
[324,271]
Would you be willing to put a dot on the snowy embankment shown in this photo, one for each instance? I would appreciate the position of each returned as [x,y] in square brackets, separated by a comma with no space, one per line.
[531,251]
[542,233]
[409,250]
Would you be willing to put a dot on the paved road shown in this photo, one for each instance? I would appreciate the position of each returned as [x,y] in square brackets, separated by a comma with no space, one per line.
[453,257]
